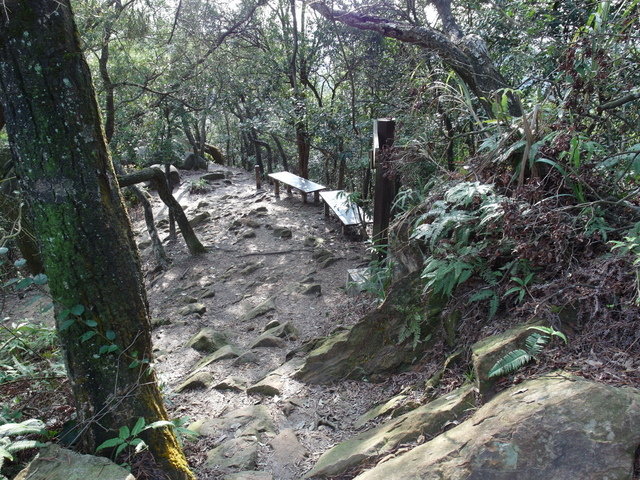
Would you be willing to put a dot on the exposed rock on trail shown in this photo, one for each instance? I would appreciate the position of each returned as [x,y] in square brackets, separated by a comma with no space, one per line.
[273,278]
[241,354]
[260,345]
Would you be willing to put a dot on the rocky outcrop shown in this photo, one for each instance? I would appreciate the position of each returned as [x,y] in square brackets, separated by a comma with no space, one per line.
[55,463]
[556,427]
[373,347]
[427,420]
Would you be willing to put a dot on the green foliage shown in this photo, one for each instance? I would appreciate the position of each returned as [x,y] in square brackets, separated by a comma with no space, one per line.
[12,438]
[454,232]
[377,278]
[520,288]
[198,186]
[487,294]
[413,329]
[534,344]
[630,244]
[129,438]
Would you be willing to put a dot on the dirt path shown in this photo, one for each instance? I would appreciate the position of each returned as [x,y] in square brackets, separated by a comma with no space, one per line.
[266,253]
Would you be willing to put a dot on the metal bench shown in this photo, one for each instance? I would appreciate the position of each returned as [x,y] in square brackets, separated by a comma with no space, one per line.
[294,181]
[347,212]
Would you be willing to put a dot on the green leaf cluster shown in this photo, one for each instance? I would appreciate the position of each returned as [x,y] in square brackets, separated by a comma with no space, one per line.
[534,344]
[453,232]
[130,437]
[12,441]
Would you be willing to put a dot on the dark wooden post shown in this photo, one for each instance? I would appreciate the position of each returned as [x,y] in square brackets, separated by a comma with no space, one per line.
[258,179]
[383,136]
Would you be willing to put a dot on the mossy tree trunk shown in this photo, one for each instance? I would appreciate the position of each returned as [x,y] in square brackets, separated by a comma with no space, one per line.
[68,181]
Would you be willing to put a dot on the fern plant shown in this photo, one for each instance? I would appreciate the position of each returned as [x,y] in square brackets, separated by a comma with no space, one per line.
[453,231]
[534,344]
[12,438]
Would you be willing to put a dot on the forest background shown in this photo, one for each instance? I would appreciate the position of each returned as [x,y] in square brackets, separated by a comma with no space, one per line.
[517,144]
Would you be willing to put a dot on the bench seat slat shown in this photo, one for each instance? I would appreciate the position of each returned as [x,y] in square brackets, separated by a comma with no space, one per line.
[348,213]
[302,184]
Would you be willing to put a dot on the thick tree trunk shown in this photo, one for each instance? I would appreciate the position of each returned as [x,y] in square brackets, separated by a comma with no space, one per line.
[466,55]
[160,179]
[85,237]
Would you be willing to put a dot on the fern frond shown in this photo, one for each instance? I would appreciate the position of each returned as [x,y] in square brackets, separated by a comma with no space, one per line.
[511,362]
[535,343]
[494,303]
[465,192]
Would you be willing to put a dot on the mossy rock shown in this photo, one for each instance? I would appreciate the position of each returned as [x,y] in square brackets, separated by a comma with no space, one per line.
[371,348]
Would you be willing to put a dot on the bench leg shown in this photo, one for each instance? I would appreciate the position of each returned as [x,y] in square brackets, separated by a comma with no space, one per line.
[288,189]
[316,197]
[326,209]
[277,185]
[304,196]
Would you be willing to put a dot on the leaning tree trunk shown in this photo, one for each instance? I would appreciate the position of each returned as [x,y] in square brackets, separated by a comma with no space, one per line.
[467,55]
[156,175]
[85,236]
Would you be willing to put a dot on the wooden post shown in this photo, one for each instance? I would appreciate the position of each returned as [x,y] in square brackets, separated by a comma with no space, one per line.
[383,136]
[258,179]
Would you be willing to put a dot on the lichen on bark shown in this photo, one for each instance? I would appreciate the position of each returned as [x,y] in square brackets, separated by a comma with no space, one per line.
[72,196]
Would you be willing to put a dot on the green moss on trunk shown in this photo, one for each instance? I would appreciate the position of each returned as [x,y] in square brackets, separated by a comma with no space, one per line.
[79,218]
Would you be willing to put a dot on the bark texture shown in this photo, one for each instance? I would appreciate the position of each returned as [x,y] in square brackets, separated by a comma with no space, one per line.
[85,237]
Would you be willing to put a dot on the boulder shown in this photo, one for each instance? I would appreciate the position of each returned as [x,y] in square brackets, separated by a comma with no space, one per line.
[556,427]
[224,353]
[274,382]
[260,309]
[55,463]
[197,308]
[372,347]
[288,452]
[426,420]
[193,162]
[196,381]
[487,352]
[199,218]
[214,176]
[208,340]
[240,432]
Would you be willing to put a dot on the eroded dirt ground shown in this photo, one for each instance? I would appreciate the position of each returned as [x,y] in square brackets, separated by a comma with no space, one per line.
[262,252]
[249,263]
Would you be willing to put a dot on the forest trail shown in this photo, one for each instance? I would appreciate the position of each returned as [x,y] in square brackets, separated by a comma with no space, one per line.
[270,263]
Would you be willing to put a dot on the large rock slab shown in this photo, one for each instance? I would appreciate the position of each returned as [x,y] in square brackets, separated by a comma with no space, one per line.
[551,428]
[241,432]
[371,348]
[55,463]
[208,340]
[426,420]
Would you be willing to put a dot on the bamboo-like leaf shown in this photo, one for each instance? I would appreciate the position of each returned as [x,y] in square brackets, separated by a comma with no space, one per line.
[112,442]
[138,427]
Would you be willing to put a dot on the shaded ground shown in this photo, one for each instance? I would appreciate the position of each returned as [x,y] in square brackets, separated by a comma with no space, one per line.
[251,260]
[285,257]
[280,253]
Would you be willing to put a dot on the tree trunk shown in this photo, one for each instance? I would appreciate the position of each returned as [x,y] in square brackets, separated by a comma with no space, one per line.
[160,179]
[283,155]
[85,236]
[466,55]
[267,147]
[303,142]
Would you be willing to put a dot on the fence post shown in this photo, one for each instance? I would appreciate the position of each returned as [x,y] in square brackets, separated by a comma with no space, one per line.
[258,179]
[383,136]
